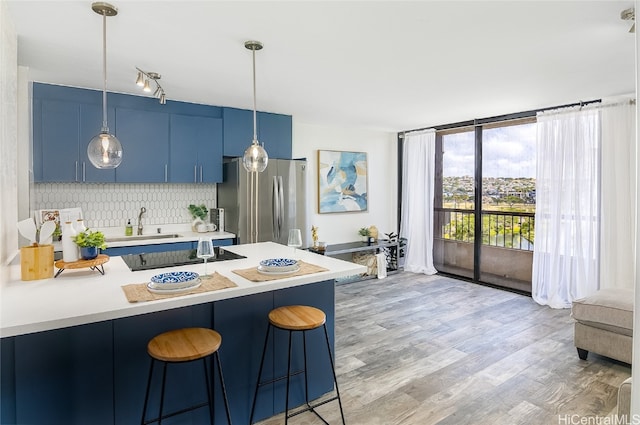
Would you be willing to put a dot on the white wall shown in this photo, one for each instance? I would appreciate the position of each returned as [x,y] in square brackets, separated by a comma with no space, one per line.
[381,149]
[8,138]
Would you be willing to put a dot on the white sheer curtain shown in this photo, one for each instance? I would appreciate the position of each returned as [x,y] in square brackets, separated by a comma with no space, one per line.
[418,171]
[566,250]
[617,224]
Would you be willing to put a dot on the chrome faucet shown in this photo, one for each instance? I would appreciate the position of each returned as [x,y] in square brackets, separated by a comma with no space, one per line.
[142,211]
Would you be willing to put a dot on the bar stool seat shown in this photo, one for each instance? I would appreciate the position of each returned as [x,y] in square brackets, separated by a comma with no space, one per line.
[181,346]
[297,318]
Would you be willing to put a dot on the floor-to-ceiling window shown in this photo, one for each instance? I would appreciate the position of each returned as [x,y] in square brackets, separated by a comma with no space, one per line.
[485,202]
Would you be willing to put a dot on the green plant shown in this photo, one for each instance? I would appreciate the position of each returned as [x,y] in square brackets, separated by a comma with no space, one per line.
[89,238]
[364,231]
[198,211]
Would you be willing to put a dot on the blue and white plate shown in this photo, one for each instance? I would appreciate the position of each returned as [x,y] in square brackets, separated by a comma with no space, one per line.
[278,264]
[277,272]
[174,280]
[159,288]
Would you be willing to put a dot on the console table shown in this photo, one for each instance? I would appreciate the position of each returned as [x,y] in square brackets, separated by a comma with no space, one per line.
[390,248]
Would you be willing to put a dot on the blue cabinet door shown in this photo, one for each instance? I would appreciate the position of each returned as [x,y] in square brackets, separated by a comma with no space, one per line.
[145,144]
[195,148]
[274,132]
[210,151]
[64,376]
[60,135]
[90,126]
[185,381]
[237,130]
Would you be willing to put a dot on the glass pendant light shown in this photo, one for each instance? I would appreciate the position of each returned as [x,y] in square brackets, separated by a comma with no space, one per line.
[255,158]
[104,150]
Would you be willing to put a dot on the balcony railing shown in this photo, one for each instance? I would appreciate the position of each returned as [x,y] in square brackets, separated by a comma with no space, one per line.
[506,229]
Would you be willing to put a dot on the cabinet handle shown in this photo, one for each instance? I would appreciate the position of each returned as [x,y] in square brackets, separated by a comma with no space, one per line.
[201,174]
[84,171]
[195,173]
[76,171]
[165,173]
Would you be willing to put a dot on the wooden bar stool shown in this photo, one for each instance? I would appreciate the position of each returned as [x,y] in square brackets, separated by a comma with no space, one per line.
[297,318]
[181,346]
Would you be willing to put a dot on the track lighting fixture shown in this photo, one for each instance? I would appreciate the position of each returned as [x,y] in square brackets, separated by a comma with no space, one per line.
[143,80]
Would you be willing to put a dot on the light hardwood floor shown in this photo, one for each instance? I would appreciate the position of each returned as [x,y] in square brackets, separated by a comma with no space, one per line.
[416,350]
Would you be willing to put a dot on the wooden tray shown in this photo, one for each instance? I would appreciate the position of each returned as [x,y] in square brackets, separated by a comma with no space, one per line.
[95,264]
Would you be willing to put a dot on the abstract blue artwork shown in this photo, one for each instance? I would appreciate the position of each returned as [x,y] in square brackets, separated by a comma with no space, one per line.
[342,181]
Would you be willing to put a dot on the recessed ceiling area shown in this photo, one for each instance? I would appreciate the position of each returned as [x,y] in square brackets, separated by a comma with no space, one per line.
[381,65]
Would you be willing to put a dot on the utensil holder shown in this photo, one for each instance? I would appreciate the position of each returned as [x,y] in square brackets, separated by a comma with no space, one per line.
[36,262]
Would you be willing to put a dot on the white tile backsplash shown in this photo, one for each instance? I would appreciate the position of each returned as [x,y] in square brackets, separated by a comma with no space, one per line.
[112,204]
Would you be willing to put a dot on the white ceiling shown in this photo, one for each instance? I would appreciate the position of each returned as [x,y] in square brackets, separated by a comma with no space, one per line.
[386,65]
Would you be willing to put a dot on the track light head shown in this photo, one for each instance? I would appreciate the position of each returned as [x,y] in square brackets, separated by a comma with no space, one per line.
[144,80]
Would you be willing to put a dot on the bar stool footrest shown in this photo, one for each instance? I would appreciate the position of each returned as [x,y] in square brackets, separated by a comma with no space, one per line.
[271,381]
[177,412]
[312,407]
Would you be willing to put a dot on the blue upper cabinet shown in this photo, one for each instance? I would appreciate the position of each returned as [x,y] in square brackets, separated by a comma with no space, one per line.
[274,132]
[195,149]
[177,143]
[60,134]
[145,146]
[237,130]
[62,129]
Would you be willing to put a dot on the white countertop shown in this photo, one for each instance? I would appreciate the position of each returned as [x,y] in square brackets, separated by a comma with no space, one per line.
[83,296]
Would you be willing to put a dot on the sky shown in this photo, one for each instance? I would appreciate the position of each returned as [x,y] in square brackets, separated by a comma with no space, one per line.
[507,152]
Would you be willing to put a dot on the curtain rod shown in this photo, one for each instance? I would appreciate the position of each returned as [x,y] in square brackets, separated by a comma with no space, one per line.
[602,105]
[498,118]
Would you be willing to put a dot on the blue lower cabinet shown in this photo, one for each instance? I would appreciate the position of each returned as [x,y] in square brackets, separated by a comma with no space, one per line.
[144,249]
[163,247]
[64,376]
[185,382]
[8,381]
[97,373]
[219,242]
[319,369]
[242,323]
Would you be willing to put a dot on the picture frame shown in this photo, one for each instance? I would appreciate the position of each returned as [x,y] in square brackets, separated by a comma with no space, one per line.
[342,181]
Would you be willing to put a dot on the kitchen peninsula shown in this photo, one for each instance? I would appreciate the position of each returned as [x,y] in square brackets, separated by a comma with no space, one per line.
[74,348]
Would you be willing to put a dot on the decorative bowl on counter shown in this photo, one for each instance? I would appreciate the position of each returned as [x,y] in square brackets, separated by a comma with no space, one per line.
[278,265]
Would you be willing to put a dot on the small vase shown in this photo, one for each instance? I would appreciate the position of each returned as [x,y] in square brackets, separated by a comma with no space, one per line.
[88,252]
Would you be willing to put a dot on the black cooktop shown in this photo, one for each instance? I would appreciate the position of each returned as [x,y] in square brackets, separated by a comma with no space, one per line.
[158,260]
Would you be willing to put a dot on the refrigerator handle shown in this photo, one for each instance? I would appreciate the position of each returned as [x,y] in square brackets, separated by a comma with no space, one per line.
[275,209]
[281,201]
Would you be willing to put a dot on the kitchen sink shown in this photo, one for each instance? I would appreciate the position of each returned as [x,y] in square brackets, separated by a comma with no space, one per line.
[142,237]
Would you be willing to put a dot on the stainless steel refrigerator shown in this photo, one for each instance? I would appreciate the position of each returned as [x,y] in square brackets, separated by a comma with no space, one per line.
[281,203]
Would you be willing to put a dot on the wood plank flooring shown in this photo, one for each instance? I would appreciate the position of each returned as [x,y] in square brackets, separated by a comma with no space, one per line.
[416,350]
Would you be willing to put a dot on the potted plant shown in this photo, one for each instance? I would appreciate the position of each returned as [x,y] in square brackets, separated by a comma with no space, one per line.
[90,243]
[198,213]
[364,234]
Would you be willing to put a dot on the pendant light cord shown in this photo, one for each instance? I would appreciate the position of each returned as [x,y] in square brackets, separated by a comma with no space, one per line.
[104,72]
[255,133]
